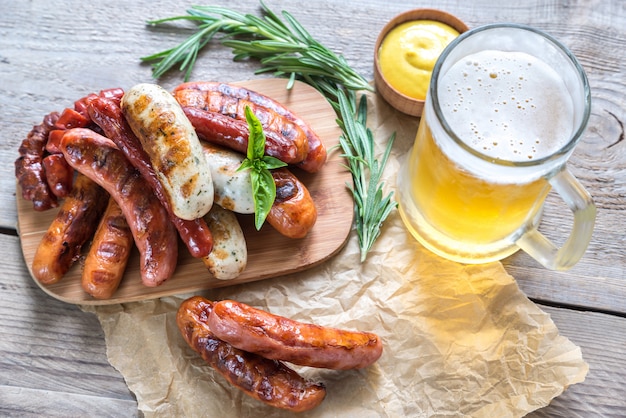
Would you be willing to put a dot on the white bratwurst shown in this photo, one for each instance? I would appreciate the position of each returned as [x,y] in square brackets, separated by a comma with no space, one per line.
[173,147]
[233,189]
[229,256]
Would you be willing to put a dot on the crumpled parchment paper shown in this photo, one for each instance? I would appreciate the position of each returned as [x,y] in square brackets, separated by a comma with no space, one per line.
[459,341]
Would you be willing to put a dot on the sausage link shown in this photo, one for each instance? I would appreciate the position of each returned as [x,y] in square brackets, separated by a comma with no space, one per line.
[29,169]
[108,255]
[54,141]
[316,151]
[74,224]
[97,157]
[230,254]
[233,188]
[267,380]
[71,118]
[107,114]
[59,174]
[173,148]
[284,138]
[293,213]
[221,102]
[44,139]
[233,133]
[280,338]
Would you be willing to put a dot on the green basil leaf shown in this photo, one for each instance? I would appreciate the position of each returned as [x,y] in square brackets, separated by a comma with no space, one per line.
[245,165]
[272,162]
[256,138]
[264,194]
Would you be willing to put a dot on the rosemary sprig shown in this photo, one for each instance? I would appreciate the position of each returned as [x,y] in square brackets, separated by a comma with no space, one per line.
[287,49]
[357,142]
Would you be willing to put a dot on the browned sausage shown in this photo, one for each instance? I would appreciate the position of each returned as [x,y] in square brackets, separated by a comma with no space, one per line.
[206,94]
[107,114]
[231,100]
[173,146]
[98,158]
[44,139]
[218,101]
[233,133]
[59,174]
[108,255]
[29,167]
[280,338]
[70,118]
[293,213]
[269,381]
[74,224]
[54,141]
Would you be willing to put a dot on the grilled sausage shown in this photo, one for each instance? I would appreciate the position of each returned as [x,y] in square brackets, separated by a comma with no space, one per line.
[108,255]
[230,254]
[269,381]
[234,134]
[293,213]
[214,94]
[107,114]
[71,118]
[233,189]
[44,139]
[97,158]
[213,112]
[173,148]
[29,169]
[73,226]
[280,338]
[59,174]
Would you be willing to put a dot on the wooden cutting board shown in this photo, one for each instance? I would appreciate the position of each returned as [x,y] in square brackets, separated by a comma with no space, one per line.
[269,253]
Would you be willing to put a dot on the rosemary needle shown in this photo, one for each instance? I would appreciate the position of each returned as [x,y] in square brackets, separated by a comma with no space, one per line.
[357,142]
[287,49]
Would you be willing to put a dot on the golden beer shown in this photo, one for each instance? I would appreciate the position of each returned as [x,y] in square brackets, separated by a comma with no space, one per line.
[466,212]
[497,129]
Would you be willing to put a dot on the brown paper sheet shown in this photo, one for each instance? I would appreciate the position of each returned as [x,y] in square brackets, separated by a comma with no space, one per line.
[460,341]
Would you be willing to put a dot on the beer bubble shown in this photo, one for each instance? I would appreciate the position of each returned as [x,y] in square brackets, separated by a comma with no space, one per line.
[512,104]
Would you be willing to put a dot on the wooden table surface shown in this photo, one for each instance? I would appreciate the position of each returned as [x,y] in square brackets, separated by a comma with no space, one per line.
[52,354]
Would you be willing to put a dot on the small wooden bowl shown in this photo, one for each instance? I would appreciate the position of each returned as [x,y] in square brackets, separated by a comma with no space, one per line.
[398,100]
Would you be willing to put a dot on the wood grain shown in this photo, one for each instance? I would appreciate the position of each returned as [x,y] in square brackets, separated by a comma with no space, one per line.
[53,359]
[270,254]
[52,52]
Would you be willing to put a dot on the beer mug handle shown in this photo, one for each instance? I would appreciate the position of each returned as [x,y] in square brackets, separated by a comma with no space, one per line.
[535,244]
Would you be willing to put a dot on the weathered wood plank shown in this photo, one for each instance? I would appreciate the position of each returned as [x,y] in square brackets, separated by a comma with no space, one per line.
[33,403]
[602,339]
[51,352]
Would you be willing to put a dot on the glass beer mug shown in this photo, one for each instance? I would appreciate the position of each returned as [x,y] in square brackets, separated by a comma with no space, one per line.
[506,106]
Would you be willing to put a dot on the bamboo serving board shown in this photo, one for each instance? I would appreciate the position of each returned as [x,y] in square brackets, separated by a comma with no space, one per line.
[269,253]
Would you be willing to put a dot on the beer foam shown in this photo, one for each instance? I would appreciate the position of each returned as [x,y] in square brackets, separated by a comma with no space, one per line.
[507,105]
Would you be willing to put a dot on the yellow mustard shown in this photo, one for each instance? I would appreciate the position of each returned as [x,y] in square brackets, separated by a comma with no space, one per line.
[408,54]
